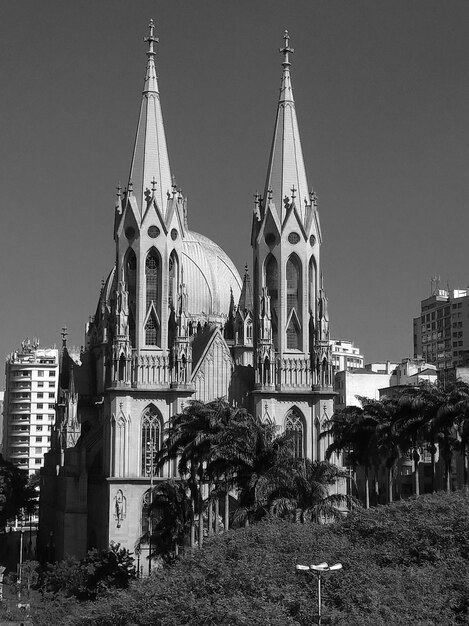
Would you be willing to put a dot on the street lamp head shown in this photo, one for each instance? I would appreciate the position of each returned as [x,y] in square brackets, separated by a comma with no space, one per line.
[302,568]
[335,567]
[322,567]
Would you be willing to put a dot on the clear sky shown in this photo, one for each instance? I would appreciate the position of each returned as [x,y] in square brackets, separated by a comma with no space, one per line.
[381,90]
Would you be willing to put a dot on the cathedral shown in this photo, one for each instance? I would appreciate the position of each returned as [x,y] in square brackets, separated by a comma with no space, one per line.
[175,322]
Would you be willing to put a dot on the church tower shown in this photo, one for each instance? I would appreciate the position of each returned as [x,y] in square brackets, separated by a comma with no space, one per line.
[291,331]
[150,225]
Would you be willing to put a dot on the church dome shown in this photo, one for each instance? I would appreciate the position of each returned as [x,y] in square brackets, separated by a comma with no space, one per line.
[209,276]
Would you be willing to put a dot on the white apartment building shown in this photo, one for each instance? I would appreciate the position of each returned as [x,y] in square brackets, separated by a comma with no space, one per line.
[345,356]
[375,380]
[29,405]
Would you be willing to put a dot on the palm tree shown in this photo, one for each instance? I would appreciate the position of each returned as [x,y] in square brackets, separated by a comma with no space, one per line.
[189,439]
[171,514]
[302,488]
[353,431]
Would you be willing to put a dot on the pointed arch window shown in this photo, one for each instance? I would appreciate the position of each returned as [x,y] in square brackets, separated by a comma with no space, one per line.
[152,273]
[151,440]
[130,272]
[271,282]
[173,275]
[293,277]
[294,425]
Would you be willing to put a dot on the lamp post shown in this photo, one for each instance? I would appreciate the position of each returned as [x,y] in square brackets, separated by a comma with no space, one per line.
[151,449]
[318,570]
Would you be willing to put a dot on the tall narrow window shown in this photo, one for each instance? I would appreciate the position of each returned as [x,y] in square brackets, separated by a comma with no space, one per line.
[294,425]
[151,434]
[130,269]
[151,274]
[293,276]
[173,279]
[271,282]
[152,267]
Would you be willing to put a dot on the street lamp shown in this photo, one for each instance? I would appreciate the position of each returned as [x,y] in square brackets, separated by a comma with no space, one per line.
[318,570]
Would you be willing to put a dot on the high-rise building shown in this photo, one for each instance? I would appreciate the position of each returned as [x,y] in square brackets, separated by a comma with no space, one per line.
[441,332]
[29,404]
[176,322]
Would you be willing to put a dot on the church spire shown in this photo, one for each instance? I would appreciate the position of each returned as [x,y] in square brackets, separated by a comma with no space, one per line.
[286,169]
[150,161]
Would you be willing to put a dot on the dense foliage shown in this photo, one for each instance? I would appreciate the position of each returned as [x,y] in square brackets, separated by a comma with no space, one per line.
[15,491]
[99,571]
[404,563]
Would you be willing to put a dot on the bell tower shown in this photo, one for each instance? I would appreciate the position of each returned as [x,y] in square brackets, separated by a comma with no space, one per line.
[291,338]
[150,223]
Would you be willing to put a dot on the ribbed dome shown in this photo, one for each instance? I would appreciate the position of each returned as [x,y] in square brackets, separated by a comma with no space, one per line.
[209,275]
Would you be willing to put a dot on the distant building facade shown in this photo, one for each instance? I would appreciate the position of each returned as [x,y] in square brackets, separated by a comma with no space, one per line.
[345,356]
[29,404]
[377,380]
[441,331]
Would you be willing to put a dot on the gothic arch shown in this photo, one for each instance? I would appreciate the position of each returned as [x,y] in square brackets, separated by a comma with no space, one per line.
[312,284]
[293,281]
[173,278]
[152,297]
[151,434]
[294,423]
[271,281]
[130,277]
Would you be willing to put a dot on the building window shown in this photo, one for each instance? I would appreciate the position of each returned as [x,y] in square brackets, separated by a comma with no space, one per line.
[40,384]
[151,277]
[151,433]
[293,275]
[271,282]
[294,425]
[40,406]
[39,439]
[51,395]
[51,374]
[40,373]
[40,395]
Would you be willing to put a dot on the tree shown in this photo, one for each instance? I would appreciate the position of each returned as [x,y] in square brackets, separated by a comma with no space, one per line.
[171,514]
[353,431]
[301,488]
[15,494]
[98,572]
[189,439]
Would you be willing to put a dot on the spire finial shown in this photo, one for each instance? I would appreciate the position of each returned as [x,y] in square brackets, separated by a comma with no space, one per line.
[151,39]
[119,189]
[153,184]
[64,334]
[286,50]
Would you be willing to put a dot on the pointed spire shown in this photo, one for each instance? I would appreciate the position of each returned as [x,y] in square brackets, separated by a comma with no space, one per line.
[286,92]
[286,165]
[245,299]
[150,159]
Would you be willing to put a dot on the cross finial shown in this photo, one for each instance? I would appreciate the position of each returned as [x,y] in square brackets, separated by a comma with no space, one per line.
[286,50]
[151,39]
